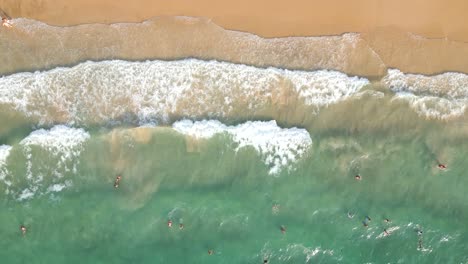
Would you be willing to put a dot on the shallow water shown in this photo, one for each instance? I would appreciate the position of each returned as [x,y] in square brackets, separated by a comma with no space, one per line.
[276,148]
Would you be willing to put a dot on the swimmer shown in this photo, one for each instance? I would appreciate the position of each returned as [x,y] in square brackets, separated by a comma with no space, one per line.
[23,229]
[169,223]
[357,177]
[6,22]
[210,252]
[117,181]
[442,166]
[265,261]
[386,220]
[420,232]
[350,215]
[386,233]
[181,226]
[283,229]
[368,218]
[364,223]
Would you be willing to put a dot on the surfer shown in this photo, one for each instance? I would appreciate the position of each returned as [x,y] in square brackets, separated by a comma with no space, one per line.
[368,218]
[210,252]
[169,223]
[117,181]
[386,220]
[23,229]
[350,215]
[357,177]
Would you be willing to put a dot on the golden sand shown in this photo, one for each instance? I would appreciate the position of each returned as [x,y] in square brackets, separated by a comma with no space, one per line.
[270,18]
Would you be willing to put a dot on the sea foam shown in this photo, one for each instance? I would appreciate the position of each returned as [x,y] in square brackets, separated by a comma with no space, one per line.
[154,91]
[61,145]
[4,153]
[279,147]
[442,96]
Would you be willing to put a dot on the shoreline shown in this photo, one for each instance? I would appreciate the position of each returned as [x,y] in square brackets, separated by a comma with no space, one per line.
[367,55]
[414,40]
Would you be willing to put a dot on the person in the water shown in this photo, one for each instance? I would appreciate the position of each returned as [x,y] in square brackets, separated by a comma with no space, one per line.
[265,261]
[350,215]
[117,181]
[283,229]
[386,233]
[386,220]
[23,229]
[442,166]
[169,223]
[368,218]
[210,252]
[181,226]
[357,177]
[364,223]
[6,22]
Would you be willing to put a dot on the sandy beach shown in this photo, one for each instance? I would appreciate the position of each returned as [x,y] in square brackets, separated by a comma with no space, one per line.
[426,37]
[430,18]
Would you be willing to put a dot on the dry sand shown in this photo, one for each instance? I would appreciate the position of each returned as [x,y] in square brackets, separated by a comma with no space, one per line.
[385,24]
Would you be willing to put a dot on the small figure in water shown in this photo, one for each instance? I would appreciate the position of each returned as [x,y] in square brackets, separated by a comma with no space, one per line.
[265,261]
[350,215]
[386,233]
[23,229]
[357,177]
[283,229]
[368,218]
[117,181]
[442,166]
[181,226]
[169,223]
[6,22]
[386,220]
[210,252]
[364,223]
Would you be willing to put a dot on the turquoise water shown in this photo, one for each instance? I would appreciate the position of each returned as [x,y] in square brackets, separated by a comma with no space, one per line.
[225,200]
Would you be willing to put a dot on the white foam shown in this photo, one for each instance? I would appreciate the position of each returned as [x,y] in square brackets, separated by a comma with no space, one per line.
[279,147]
[309,252]
[440,96]
[60,138]
[4,153]
[390,230]
[59,186]
[152,91]
[62,145]
[27,194]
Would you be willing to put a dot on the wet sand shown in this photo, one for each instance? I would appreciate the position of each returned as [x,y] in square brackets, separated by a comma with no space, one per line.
[425,37]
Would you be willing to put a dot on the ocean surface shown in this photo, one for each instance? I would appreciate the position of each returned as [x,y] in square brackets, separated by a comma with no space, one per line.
[254,156]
